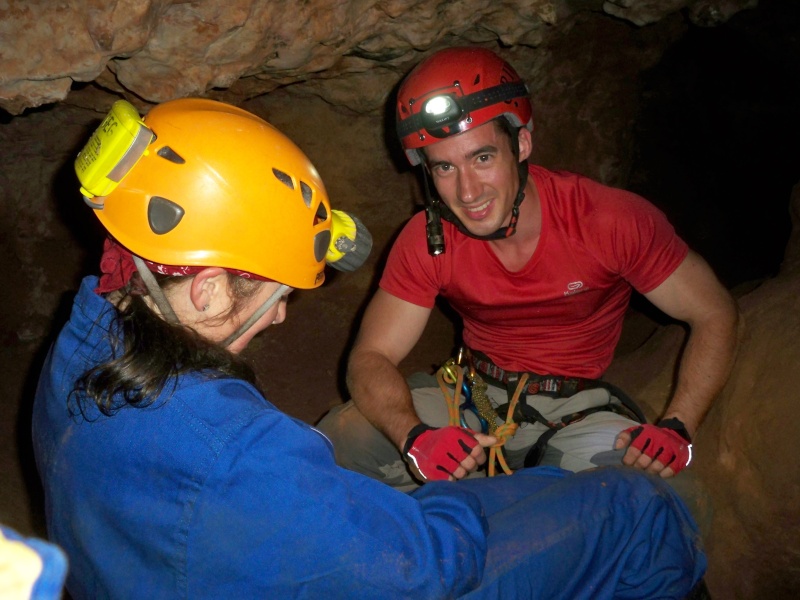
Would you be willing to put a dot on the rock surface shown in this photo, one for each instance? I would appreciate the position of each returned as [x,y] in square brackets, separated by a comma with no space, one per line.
[157,50]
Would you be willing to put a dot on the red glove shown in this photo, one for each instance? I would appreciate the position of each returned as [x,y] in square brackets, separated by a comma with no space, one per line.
[663,443]
[437,453]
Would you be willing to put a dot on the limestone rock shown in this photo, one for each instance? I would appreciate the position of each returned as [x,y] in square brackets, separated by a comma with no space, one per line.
[701,12]
[157,50]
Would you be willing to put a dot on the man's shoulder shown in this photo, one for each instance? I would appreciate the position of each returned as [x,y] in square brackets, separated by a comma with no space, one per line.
[586,201]
[413,229]
[557,176]
[563,180]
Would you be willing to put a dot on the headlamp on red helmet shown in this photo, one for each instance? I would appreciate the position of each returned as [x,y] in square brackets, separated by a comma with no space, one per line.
[456,90]
[443,115]
[440,111]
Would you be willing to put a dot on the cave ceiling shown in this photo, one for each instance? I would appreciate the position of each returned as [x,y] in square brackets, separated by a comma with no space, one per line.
[350,52]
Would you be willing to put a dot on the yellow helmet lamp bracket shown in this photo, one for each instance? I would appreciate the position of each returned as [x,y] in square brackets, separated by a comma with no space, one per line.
[113,150]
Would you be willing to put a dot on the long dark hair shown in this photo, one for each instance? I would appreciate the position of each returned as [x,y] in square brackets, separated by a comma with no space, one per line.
[148,354]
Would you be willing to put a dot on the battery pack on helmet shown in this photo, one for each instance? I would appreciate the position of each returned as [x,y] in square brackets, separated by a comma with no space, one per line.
[113,150]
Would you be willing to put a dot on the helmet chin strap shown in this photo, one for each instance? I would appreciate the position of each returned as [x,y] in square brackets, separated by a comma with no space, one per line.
[156,293]
[158,296]
[276,295]
[436,209]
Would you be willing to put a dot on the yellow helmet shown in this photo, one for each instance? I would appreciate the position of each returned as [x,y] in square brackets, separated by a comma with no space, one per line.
[202,183]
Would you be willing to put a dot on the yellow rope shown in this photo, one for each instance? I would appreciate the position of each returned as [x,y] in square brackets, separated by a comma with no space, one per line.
[506,431]
[444,377]
[503,432]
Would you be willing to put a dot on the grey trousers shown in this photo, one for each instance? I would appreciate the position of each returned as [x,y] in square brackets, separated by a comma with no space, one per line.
[583,445]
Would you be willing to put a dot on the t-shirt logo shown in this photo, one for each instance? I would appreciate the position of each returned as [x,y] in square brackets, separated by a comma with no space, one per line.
[573,288]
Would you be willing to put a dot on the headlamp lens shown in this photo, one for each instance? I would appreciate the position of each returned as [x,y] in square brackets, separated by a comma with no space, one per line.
[441,111]
[438,105]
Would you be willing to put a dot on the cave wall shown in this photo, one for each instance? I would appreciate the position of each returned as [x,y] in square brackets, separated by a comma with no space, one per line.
[614,87]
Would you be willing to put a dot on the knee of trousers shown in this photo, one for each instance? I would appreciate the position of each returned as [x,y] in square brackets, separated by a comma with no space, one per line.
[694,493]
[638,490]
[355,441]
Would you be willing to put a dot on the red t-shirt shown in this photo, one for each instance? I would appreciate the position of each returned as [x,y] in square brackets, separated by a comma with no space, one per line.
[562,312]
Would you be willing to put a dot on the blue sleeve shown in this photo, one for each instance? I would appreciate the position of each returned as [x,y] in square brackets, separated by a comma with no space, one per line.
[46,580]
[300,526]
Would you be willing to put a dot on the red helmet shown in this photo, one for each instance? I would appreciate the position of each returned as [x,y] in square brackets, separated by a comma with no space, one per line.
[455,90]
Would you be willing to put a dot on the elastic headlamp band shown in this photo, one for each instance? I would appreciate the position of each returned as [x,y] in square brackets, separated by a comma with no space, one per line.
[477,100]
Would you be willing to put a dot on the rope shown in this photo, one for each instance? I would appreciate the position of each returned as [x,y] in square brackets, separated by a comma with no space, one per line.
[453,401]
[506,431]
[503,432]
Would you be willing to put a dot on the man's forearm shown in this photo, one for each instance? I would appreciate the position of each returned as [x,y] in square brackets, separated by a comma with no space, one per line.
[381,394]
[705,367]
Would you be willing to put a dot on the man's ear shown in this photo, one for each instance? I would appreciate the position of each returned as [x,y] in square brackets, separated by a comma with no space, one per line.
[525,143]
[208,287]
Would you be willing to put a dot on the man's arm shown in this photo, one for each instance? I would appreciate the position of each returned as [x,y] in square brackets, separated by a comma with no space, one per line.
[693,294]
[390,329]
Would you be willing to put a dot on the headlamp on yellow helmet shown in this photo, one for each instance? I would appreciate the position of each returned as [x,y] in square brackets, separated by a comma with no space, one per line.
[351,242]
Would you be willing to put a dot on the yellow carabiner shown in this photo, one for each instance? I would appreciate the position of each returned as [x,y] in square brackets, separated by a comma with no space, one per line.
[450,371]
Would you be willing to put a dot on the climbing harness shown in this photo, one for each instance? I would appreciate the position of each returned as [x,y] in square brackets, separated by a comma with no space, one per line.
[555,386]
[464,372]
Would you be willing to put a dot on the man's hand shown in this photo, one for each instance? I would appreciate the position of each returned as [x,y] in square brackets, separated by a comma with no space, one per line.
[658,449]
[446,453]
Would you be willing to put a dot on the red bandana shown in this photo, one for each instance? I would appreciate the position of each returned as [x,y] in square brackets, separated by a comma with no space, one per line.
[118,267]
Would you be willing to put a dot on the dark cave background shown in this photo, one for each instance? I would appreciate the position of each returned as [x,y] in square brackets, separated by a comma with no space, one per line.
[717,140]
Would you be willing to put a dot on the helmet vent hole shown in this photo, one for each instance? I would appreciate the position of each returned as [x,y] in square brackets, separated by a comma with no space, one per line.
[308,193]
[171,155]
[283,178]
[477,79]
[322,214]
